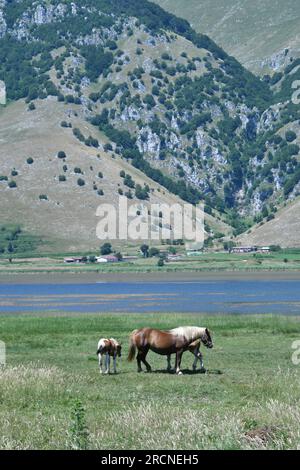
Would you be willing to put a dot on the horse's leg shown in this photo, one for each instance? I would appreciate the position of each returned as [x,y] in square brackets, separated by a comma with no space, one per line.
[138,360]
[169,367]
[100,362]
[198,356]
[196,352]
[178,361]
[195,359]
[201,361]
[107,361]
[115,362]
[143,358]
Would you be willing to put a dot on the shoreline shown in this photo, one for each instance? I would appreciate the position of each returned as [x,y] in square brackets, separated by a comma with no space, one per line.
[177,276]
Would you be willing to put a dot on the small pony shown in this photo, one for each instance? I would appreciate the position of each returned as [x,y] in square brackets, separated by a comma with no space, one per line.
[111,348]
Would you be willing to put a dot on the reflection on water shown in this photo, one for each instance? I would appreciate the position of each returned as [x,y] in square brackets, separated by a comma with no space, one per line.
[199,296]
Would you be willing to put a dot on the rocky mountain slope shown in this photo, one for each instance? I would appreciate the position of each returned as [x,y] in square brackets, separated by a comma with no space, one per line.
[283,230]
[160,97]
[262,35]
[47,200]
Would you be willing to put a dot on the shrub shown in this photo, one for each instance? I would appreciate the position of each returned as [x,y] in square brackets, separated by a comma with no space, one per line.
[61,154]
[78,430]
[166,56]
[106,249]
[62,178]
[153,252]
[149,101]
[160,262]
[43,197]
[80,182]
[290,136]
[107,147]
[29,160]
[145,250]
[128,181]
[91,142]
[78,134]
[12,184]
[128,194]
[142,193]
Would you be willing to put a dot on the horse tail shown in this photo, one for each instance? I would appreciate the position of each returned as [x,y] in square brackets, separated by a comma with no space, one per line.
[132,347]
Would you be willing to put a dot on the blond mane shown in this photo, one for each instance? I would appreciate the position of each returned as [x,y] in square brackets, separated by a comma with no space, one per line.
[191,333]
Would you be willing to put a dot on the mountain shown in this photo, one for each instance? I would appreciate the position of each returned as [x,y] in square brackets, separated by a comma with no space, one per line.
[283,230]
[262,35]
[137,86]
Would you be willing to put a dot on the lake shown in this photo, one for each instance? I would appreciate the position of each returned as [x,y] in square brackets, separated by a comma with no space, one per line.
[220,296]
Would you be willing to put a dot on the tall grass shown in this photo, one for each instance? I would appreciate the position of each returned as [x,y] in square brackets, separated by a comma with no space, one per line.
[53,397]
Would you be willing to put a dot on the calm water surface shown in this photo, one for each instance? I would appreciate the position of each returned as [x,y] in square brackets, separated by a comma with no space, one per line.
[244,296]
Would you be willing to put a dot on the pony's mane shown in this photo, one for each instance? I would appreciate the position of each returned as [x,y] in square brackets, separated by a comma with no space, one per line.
[114,341]
[191,333]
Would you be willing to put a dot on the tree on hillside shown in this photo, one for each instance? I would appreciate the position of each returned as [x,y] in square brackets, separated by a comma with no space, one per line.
[106,249]
[160,262]
[145,250]
[153,252]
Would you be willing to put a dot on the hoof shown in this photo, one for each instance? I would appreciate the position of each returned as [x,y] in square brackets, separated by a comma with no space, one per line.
[179,373]
[203,370]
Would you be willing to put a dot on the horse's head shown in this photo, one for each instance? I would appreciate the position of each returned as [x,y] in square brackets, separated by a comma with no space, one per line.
[116,346]
[119,349]
[206,339]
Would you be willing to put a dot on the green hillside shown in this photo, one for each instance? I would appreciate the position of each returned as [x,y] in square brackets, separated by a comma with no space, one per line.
[129,82]
[255,32]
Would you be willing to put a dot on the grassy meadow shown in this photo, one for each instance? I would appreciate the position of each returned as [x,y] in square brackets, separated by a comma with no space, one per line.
[53,397]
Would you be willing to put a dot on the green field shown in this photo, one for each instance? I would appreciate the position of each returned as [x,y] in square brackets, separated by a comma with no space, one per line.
[249,398]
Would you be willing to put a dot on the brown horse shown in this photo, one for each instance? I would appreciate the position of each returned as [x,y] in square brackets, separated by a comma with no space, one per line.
[175,341]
